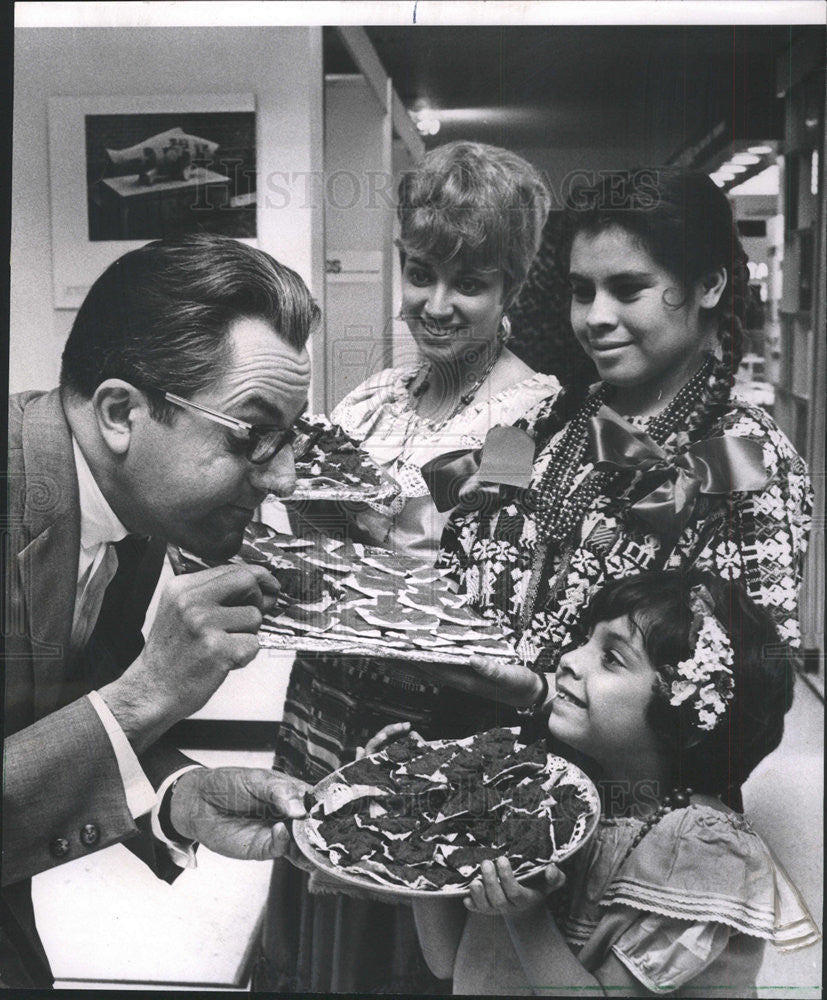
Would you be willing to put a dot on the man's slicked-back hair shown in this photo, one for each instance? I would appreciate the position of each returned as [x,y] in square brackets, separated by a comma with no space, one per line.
[159,316]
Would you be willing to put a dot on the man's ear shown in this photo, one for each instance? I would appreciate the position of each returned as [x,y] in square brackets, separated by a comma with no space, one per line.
[116,404]
[712,288]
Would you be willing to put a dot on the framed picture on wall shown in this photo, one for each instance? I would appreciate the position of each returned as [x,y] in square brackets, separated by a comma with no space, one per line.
[126,170]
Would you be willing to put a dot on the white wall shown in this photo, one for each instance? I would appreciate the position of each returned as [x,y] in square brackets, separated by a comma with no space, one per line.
[282,67]
[359,200]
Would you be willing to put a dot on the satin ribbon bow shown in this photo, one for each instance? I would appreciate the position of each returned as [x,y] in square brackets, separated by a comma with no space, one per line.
[447,474]
[505,460]
[719,465]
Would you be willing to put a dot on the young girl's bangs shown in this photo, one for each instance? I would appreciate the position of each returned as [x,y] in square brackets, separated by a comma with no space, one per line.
[657,607]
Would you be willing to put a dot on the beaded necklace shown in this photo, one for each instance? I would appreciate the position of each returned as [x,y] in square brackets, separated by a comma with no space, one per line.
[420,383]
[560,511]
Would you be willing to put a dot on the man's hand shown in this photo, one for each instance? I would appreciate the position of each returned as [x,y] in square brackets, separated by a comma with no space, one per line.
[498,893]
[235,811]
[205,626]
[504,681]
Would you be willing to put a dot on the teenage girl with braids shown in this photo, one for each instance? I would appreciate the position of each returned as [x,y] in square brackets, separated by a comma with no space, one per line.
[659,464]
[669,696]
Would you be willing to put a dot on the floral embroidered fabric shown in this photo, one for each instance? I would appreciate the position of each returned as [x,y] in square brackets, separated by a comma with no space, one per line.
[758,537]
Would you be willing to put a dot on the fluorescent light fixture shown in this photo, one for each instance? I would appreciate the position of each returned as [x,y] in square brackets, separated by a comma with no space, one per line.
[765,181]
[747,159]
[759,150]
[735,168]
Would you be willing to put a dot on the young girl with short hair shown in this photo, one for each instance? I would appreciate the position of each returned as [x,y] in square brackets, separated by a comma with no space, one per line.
[677,690]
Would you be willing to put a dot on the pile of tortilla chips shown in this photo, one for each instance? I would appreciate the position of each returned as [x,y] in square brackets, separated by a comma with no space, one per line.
[336,468]
[424,816]
[349,598]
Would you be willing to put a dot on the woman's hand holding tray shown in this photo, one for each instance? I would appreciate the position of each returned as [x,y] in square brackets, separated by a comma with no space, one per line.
[418,819]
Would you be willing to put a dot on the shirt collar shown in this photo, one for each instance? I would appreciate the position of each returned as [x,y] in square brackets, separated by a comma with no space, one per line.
[98,523]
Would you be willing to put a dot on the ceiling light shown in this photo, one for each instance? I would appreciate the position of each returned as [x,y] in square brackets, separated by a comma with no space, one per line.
[425,119]
[766,181]
[735,168]
[718,180]
[724,174]
[759,150]
[748,159]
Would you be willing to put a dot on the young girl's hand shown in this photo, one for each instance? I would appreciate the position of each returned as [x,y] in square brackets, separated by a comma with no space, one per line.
[386,735]
[498,893]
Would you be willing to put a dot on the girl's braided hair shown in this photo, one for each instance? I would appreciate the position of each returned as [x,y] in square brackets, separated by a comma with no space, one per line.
[685,223]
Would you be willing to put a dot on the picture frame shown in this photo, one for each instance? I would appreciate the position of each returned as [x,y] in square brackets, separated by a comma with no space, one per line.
[127,169]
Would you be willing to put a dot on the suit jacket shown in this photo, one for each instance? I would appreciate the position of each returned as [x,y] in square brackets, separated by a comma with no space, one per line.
[61,776]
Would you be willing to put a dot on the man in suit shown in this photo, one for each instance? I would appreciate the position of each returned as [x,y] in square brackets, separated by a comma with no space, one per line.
[181,378]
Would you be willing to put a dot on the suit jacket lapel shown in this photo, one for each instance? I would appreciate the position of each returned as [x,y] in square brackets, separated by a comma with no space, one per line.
[48,564]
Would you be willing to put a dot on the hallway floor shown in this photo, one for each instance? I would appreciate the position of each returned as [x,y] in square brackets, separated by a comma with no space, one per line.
[784,799]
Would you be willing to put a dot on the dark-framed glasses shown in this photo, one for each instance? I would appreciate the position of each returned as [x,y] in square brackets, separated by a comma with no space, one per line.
[263,441]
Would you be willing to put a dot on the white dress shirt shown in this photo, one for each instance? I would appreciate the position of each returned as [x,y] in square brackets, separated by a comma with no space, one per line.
[97,564]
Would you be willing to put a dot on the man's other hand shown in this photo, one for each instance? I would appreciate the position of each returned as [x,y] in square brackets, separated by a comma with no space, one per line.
[237,811]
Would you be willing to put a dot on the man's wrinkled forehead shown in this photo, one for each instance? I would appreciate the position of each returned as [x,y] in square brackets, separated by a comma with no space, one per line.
[264,372]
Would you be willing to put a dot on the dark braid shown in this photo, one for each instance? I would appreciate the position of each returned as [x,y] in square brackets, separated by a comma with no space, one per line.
[684,221]
[715,401]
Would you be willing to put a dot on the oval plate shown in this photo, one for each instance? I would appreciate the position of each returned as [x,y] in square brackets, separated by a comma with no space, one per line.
[569,774]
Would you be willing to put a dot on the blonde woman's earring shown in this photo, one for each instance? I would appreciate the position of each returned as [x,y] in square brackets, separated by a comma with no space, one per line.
[505,330]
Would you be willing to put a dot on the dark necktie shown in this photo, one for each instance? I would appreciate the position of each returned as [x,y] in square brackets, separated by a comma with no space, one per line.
[116,639]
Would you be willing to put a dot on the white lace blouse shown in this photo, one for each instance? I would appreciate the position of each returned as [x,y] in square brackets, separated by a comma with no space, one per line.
[378,414]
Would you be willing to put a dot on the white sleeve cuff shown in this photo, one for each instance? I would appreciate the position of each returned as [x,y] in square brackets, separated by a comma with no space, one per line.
[140,795]
[182,852]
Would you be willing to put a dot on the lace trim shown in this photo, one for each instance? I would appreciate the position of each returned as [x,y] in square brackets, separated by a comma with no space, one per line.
[349,413]
[755,921]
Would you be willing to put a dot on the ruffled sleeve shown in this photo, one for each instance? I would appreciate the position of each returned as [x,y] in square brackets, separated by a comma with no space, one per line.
[381,396]
[664,953]
[703,865]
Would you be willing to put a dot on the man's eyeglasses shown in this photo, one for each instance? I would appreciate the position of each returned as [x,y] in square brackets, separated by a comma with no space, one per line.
[263,441]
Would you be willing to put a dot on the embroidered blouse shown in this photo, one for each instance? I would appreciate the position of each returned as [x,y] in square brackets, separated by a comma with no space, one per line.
[759,537]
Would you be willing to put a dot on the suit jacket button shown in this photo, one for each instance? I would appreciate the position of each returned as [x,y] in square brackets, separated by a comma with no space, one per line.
[59,847]
[89,834]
